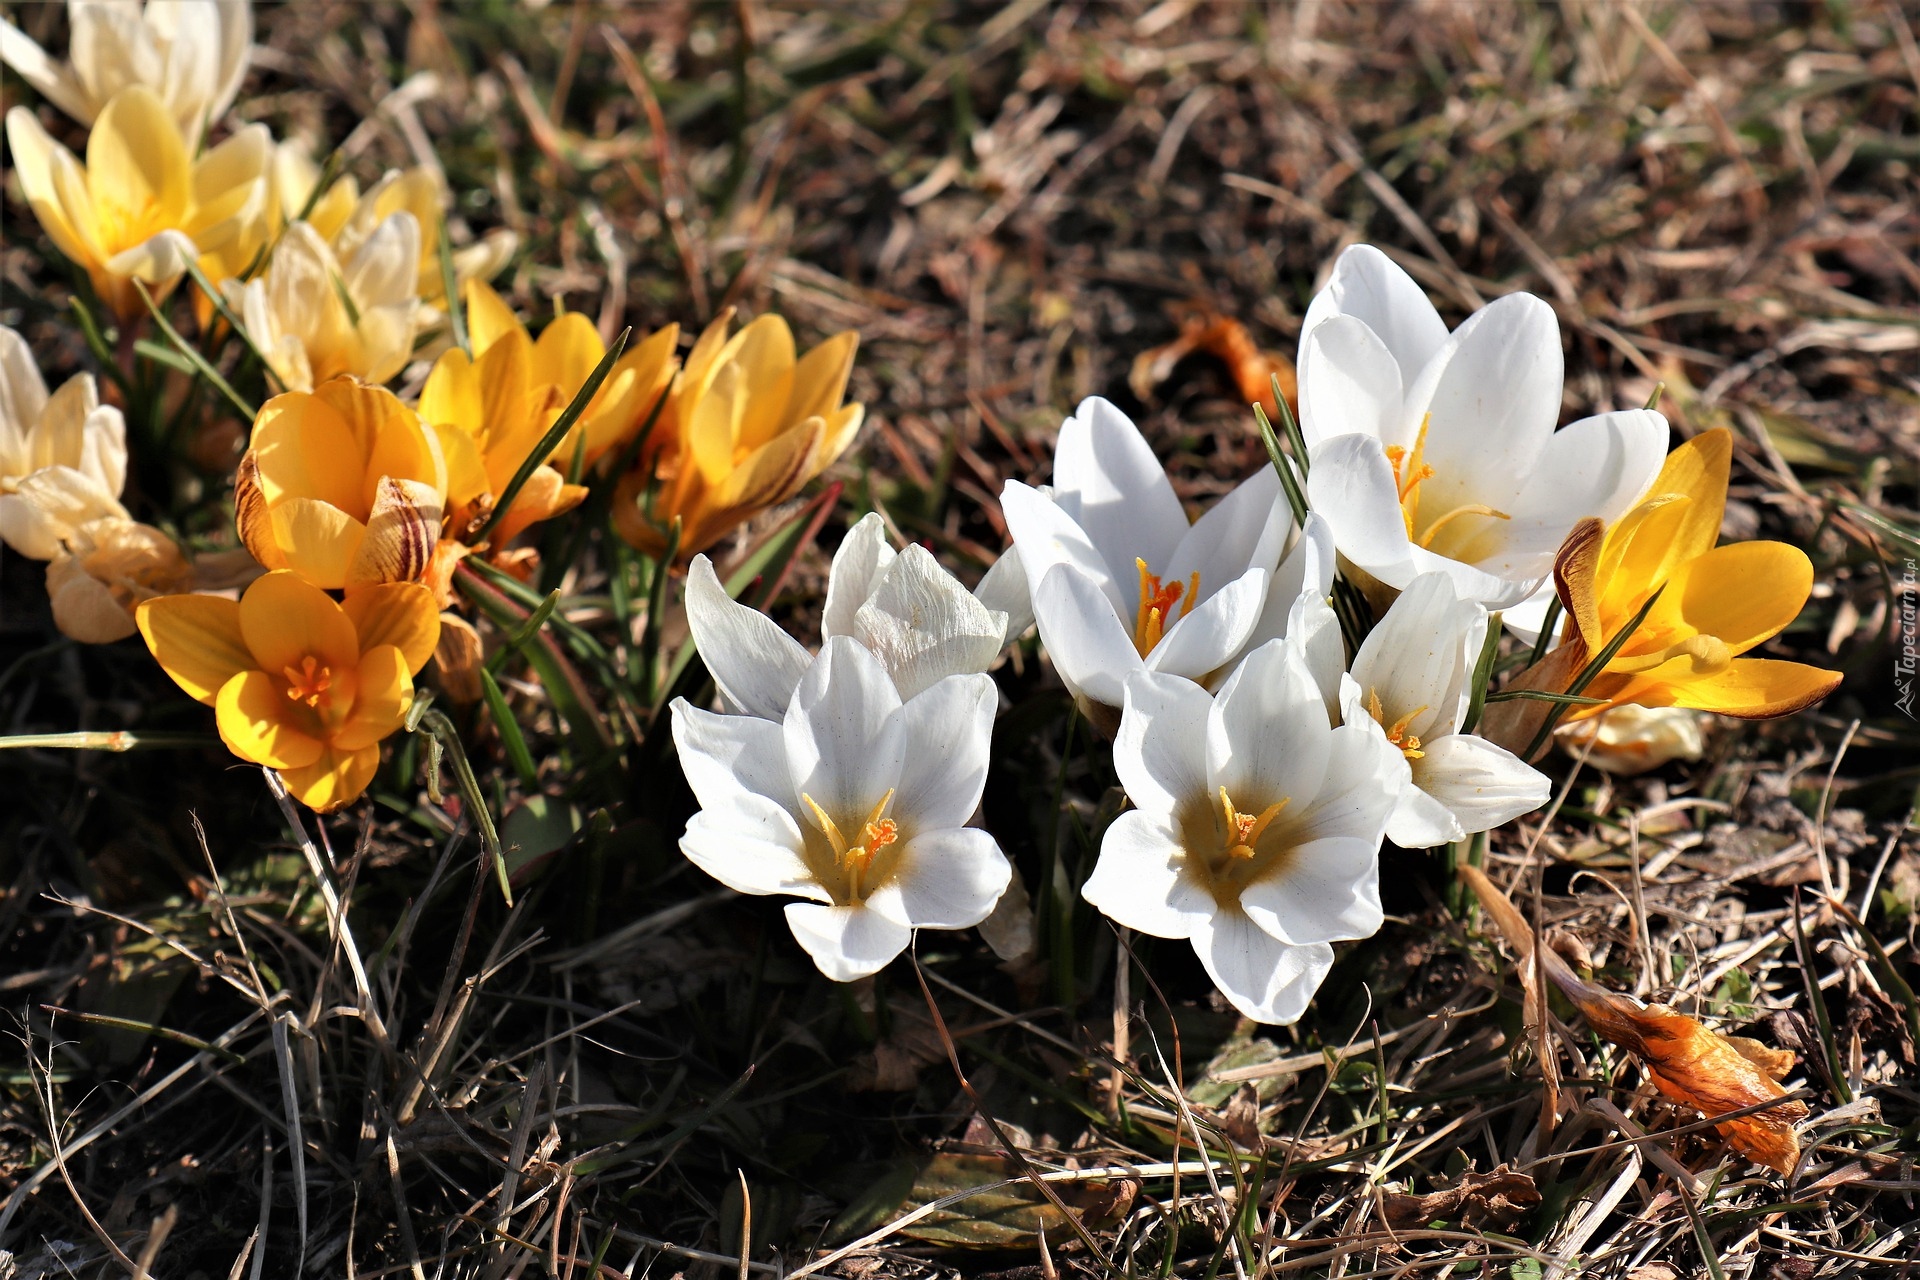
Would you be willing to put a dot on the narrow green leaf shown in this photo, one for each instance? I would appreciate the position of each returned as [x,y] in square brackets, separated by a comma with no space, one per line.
[510,736]
[525,631]
[556,433]
[1482,673]
[1296,440]
[456,308]
[1542,695]
[96,343]
[1547,626]
[193,356]
[1591,670]
[1296,500]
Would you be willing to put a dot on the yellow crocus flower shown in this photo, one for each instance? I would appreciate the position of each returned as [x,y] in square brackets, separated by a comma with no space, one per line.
[343,486]
[747,425]
[298,682]
[1718,602]
[142,207]
[491,410]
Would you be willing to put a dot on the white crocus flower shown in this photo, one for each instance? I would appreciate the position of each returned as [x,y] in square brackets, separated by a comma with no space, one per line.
[1437,452]
[1630,739]
[907,611]
[63,458]
[854,800]
[1120,581]
[315,316]
[191,53]
[1413,679]
[1256,831]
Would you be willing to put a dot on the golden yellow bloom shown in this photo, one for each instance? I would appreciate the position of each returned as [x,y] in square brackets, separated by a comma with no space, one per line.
[746,427]
[297,682]
[1719,602]
[142,207]
[344,486]
[492,410]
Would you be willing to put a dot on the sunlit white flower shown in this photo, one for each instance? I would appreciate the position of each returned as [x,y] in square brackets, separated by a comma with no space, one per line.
[1632,739]
[1413,678]
[191,53]
[855,801]
[1437,452]
[314,315]
[1120,581]
[907,611]
[63,458]
[1256,831]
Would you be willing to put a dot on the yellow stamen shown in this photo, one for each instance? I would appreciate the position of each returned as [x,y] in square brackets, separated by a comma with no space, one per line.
[309,681]
[1397,734]
[1409,469]
[1157,603]
[876,833]
[1241,831]
[1470,509]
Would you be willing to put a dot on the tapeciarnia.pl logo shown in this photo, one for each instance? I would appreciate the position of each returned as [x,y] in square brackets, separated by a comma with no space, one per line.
[1907,659]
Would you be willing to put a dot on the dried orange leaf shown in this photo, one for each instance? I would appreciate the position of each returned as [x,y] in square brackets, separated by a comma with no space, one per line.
[1699,1068]
[1498,1197]
[1208,332]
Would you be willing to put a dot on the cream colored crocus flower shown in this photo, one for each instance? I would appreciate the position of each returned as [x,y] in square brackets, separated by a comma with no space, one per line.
[746,427]
[105,570]
[63,458]
[141,207]
[191,53]
[1629,739]
[315,316]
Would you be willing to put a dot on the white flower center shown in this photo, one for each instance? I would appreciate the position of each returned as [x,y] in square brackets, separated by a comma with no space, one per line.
[1410,471]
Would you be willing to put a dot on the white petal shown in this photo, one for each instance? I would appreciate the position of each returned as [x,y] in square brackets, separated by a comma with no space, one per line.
[755,663]
[1091,650]
[1482,784]
[1267,734]
[385,269]
[951,879]
[862,557]
[1524,620]
[1365,776]
[51,79]
[1106,478]
[1494,394]
[1046,536]
[1201,643]
[30,531]
[1263,977]
[726,757]
[1421,822]
[1247,529]
[23,396]
[752,846]
[948,730]
[1327,891]
[845,736]
[1306,568]
[1350,384]
[1369,286]
[1416,659]
[847,942]
[924,626]
[1351,484]
[1314,629]
[1004,589]
[103,450]
[1598,466]
[159,260]
[1142,881]
[1160,750]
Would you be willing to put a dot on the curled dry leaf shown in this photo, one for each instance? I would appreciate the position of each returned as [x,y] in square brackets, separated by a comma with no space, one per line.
[457,659]
[1691,1065]
[1207,331]
[1496,1198]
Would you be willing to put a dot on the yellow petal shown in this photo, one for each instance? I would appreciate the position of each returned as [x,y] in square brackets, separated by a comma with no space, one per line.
[466,469]
[396,615]
[137,169]
[1743,594]
[1574,572]
[632,389]
[820,381]
[401,531]
[1698,469]
[842,427]
[35,158]
[713,426]
[196,640]
[303,447]
[258,722]
[1750,688]
[706,351]
[566,353]
[385,696]
[545,494]
[452,393]
[775,471]
[764,355]
[489,318]
[286,619]
[317,540]
[336,779]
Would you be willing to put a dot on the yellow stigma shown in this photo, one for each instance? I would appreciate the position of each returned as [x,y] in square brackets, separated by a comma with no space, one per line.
[1240,832]
[309,681]
[1397,731]
[1157,604]
[876,833]
[1710,656]
[1409,471]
